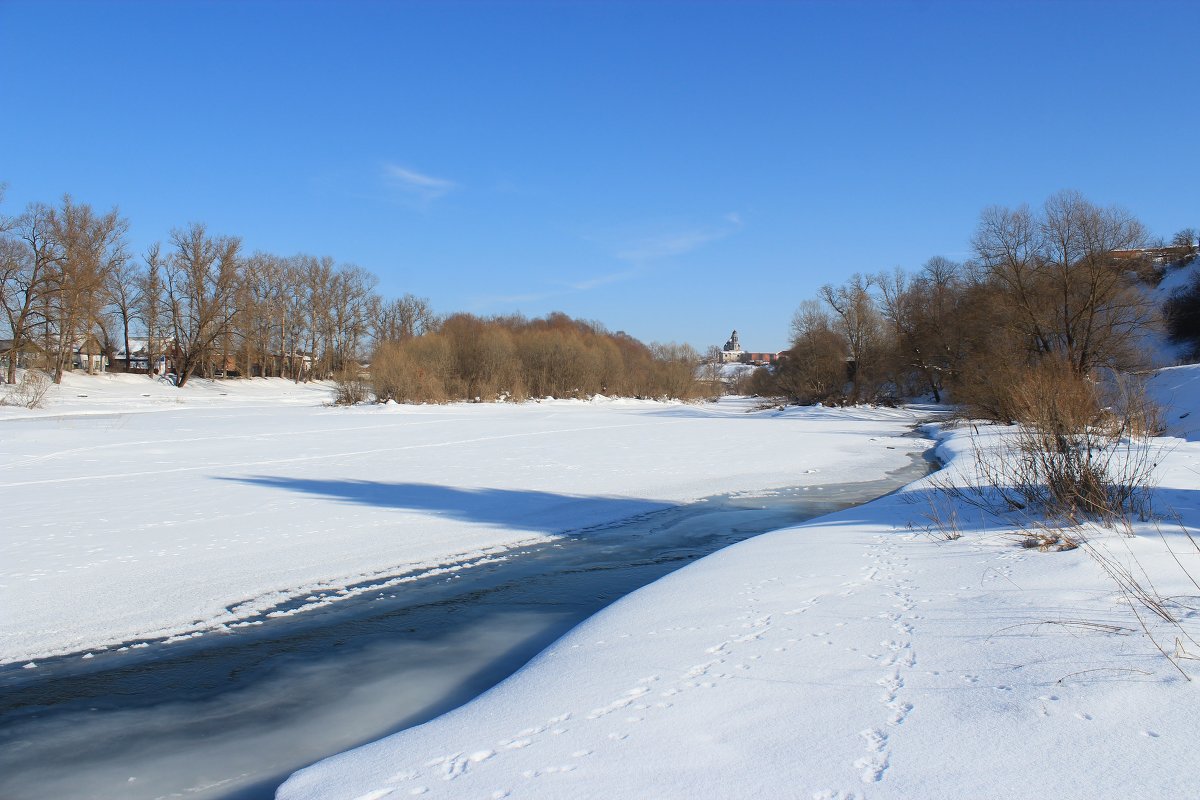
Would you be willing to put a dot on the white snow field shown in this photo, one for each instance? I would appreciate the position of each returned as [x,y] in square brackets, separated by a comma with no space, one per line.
[134,511]
[856,656]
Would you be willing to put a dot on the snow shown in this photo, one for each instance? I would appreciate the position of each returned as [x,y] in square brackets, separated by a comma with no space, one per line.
[1177,392]
[859,655]
[1161,350]
[136,512]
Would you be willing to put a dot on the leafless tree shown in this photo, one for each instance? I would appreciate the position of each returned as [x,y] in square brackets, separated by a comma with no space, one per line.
[90,246]
[814,369]
[150,300]
[1064,292]
[858,320]
[29,261]
[123,292]
[927,316]
[398,320]
[202,276]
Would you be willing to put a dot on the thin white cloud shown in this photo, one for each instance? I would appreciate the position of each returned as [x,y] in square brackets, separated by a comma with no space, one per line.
[422,186]
[677,243]
[561,290]
[602,280]
[637,253]
[493,300]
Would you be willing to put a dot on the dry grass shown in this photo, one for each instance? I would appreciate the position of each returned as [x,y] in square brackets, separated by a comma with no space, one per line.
[350,388]
[29,392]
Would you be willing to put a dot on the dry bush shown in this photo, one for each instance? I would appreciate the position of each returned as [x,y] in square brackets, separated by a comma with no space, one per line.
[29,392]
[1077,455]
[413,371]
[941,514]
[1082,451]
[1064,449]
[350,387]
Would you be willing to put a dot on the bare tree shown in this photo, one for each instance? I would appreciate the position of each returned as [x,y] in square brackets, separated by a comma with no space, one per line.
[712,367]
[90,245]
[927,317]
[29,261]
[349,303]
[201,283]
[814,369]
[151,300]
[858,320]
[1064,293]
[123,291]
[1186,239]
[398,320]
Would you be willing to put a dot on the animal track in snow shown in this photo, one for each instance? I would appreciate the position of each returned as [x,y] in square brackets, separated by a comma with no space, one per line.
[875,763]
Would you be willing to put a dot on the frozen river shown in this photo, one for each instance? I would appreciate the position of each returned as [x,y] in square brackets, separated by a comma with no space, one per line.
[231,716]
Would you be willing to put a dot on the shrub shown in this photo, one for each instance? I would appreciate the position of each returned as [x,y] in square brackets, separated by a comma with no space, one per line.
[30,391]
[350,388]
[1081,450]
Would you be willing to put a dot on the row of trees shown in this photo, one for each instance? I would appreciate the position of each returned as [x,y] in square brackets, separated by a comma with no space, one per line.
[465,357]
[1066,282]
[68,283]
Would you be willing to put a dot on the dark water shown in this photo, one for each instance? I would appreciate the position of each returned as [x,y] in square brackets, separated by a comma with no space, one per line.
[231,716]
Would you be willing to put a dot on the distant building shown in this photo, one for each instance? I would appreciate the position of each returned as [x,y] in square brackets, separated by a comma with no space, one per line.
[732,353]
[759,358]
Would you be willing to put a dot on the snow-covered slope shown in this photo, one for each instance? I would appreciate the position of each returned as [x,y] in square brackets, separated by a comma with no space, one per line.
[1177,392]
[1162,351]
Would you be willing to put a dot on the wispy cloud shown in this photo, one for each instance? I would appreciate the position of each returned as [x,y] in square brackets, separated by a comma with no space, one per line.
[637,252]
[417,184]
[602,280]
[563,289]
[492,300]
[676,243]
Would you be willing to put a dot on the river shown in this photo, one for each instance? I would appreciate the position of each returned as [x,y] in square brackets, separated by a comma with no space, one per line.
[229,717]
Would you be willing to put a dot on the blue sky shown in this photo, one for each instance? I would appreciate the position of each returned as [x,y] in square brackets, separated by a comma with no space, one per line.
[672,169]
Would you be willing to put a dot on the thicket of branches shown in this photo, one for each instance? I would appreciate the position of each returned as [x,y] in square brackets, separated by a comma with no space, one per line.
[1066,283]
[465,357]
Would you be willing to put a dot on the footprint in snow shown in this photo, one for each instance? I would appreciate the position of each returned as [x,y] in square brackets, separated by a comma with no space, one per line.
[374,795]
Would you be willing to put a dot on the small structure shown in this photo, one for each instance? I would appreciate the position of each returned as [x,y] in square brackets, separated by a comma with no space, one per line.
[760,359]
[26,354]
[88,354]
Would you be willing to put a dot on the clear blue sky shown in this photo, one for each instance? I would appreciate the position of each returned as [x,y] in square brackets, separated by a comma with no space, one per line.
[671,169]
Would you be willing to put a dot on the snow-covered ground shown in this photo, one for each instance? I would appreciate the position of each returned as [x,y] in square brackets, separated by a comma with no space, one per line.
[134,511]
[858,656]
[1162,351]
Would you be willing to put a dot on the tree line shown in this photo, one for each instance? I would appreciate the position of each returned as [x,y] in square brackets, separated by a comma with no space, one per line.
[202,307]
[68,282]
[1063,286]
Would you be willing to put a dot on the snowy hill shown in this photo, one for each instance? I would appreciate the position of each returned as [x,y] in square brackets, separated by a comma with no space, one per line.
[1163,352]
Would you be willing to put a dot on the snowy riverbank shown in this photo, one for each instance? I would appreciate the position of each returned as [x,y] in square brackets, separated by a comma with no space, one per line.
[233,499]
[855,656]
